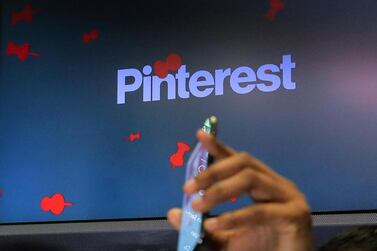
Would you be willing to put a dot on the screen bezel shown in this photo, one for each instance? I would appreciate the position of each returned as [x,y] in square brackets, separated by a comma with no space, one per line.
[315,214]
[362,217]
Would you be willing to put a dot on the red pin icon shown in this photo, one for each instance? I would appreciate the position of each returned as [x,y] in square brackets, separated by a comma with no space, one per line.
[134,136]
[90,36]
[177,158]
[55,204]
[21,51]
[24,15]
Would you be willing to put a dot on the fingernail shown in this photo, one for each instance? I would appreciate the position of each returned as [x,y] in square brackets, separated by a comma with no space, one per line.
[190,186]
[212,224]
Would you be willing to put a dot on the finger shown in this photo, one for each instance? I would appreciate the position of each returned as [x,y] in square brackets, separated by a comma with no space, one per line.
[261,187]
[174,217]
[214,146]
[218,171]
[226,168]
[259,214]
[295,213]
[220,239]
[220,151]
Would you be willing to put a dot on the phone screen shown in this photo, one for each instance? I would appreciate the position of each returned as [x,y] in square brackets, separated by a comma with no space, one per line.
[190,233]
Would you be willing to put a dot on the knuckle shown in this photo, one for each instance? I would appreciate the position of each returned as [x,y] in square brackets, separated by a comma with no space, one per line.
[292,190]
[215,174]
[244,156]
[228,220]
[292,185]
[213,195]
[200,178]
[257,214]
[251,176]
[302,213]
[204,178]
[217,191]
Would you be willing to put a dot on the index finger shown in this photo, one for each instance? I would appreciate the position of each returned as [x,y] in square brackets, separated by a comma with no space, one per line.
[217,149]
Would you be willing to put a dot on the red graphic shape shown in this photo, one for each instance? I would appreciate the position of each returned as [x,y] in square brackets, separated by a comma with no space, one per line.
[275,7]
[234,199]
[1,193]
[55,204]
[90,36]
[24,15]
[134,136]
[177,159]
[21,51]
[172,63]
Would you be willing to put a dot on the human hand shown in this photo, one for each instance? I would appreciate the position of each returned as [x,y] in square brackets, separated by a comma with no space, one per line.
[279,220]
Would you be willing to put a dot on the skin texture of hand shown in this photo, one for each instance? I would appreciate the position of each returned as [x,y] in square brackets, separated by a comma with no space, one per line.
[279,220]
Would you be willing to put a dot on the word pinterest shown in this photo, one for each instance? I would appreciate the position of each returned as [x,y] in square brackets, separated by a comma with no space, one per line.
[202,83]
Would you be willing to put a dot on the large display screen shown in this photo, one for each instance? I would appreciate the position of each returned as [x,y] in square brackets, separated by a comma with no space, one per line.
[100,101]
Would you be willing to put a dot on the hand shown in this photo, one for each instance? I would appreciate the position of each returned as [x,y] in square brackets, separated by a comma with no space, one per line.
[279,220]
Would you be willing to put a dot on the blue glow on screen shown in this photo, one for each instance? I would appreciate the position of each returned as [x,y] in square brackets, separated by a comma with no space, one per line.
[62,130]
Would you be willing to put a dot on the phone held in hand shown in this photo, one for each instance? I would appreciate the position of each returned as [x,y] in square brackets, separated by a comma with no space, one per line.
[191,234]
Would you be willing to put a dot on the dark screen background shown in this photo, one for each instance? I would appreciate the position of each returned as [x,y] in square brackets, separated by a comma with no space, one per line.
[62,131]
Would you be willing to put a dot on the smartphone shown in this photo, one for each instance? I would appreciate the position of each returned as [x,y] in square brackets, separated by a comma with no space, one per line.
[191,234]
